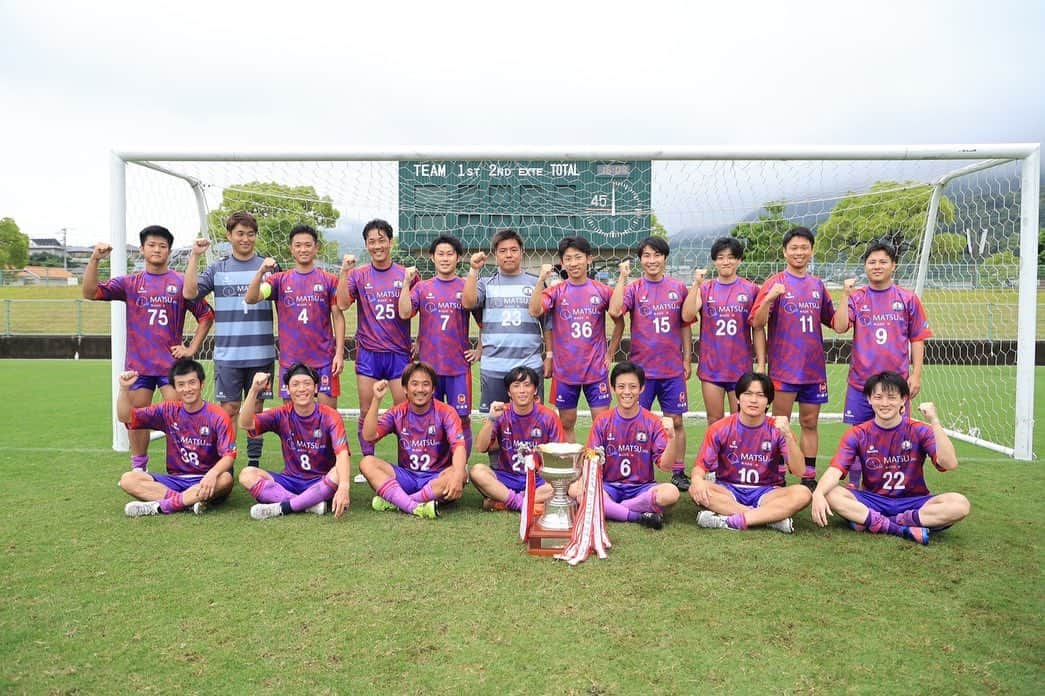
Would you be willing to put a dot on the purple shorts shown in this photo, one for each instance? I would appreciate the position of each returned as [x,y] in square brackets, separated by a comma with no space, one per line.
[413,481]
[513,481]
[328,384]
[566,396]
[670,392]
[890,506]
[857,408]
[813,393]
[295,484]
[619,492]
[728,387]
[150,382]
[751,496]
[455,390]
[381,365]
[177,482]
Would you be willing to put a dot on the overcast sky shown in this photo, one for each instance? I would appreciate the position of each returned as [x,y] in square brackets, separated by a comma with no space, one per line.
[79,82]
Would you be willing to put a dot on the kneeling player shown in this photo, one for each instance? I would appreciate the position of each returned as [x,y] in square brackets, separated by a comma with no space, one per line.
[432,458]
[634,441]
[748,454]
[891,450]
[200,447]
[316,459]
[512,428]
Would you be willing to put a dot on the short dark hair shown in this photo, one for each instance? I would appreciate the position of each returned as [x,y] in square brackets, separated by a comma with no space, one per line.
[730,244]
[378,224]
[882,245]
[241,217]
[657,244]
[300,369]
[889,381]
[156,231]
[504,235]
[748,377]
[521,374]
[418,366]
[184,366]
[303,229]
[803,232]
[579,243]
[628,368]
[446,239]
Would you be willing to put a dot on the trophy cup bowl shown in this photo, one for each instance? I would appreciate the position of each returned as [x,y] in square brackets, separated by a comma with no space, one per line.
[561,467]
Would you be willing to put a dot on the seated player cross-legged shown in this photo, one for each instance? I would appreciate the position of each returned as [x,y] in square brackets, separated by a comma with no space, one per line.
[432,460]
[891,449]
[634,441]
[315,449]
[200,448]
[511,429]
[748,453]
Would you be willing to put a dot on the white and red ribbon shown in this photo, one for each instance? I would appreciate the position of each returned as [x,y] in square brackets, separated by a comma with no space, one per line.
[526,519]
[589,527]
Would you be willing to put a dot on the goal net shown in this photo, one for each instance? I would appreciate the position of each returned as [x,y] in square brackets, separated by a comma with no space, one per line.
[964,219]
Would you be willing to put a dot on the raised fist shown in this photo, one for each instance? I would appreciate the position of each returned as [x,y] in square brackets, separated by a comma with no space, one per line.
[928,409]
[478,260]
[411,273]
[101,250]
[669,427]
[128,378]
[848,284]
[268,265]
[200,246]
[348,262]
[625,268]
[496,409]
[776,291]
[546,270]
[698,275]
[782,423]
[261,379]
[380,388]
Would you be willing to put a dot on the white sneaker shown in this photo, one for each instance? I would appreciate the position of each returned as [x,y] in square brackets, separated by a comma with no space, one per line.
[319,508]
[359,478]
[709,520]
[263,511]
[199,508]
[141,508]
[786,525]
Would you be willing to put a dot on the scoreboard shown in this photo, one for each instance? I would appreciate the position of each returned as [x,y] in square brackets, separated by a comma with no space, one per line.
[606,202]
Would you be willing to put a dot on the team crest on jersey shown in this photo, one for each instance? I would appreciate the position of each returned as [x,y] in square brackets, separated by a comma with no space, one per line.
[431,430]
[673,295]
[324,380]
[457,295]
[172,289]
[397,284]
[527,290]
[742,297]
[641,437]
[317,287]
[317,433]
[897,305]
[816,294]
[461,398]
[766,445]
[602,387]
[204,431]
[594,300]
[535,433]
[905,445]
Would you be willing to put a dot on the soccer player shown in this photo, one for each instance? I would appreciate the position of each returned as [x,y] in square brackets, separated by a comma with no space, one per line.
[517,427]
[635,441]
[311,327]
[793,304]
[577,307]
[382,338]
[432,462]
[200,448]
[891,449]
[661,340]
[155,320]
[511,337]
[243,341]
[748,454]
[728,342]
[317,464]
[442,333]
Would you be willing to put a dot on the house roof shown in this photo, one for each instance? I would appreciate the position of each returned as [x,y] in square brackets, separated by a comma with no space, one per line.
[45,272]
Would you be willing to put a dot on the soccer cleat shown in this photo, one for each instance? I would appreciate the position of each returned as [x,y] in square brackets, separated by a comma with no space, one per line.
[709,520]
[786,525]
[491,505]
[680,480]
[319,508]
[428,511]
[809,483]
[359,478]
[653,520]
[141,508]
[199,508]
[382,505]
[919,534]
[263,511]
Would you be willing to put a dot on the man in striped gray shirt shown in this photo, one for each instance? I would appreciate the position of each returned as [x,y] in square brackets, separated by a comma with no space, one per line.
[511,337]
[243,341]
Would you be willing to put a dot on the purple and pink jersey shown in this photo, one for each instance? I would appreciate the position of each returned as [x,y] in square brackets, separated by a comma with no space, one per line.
[633,445]
[378,326]
[579,330]
[442,332]
[426,440]
[655,307]
[744,455]
[726,350]
[303,304]
[310,443]
[891,459]
[885,323]
[195,441]
[512,431]
[155,317]
[795,340]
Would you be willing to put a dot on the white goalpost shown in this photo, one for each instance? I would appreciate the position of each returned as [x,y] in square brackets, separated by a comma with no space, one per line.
[964,217]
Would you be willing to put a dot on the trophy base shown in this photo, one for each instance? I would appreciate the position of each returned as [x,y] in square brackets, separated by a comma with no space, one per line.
[547,542]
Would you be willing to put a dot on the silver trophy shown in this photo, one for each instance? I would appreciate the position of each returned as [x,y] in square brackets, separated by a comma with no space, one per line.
[561,467]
